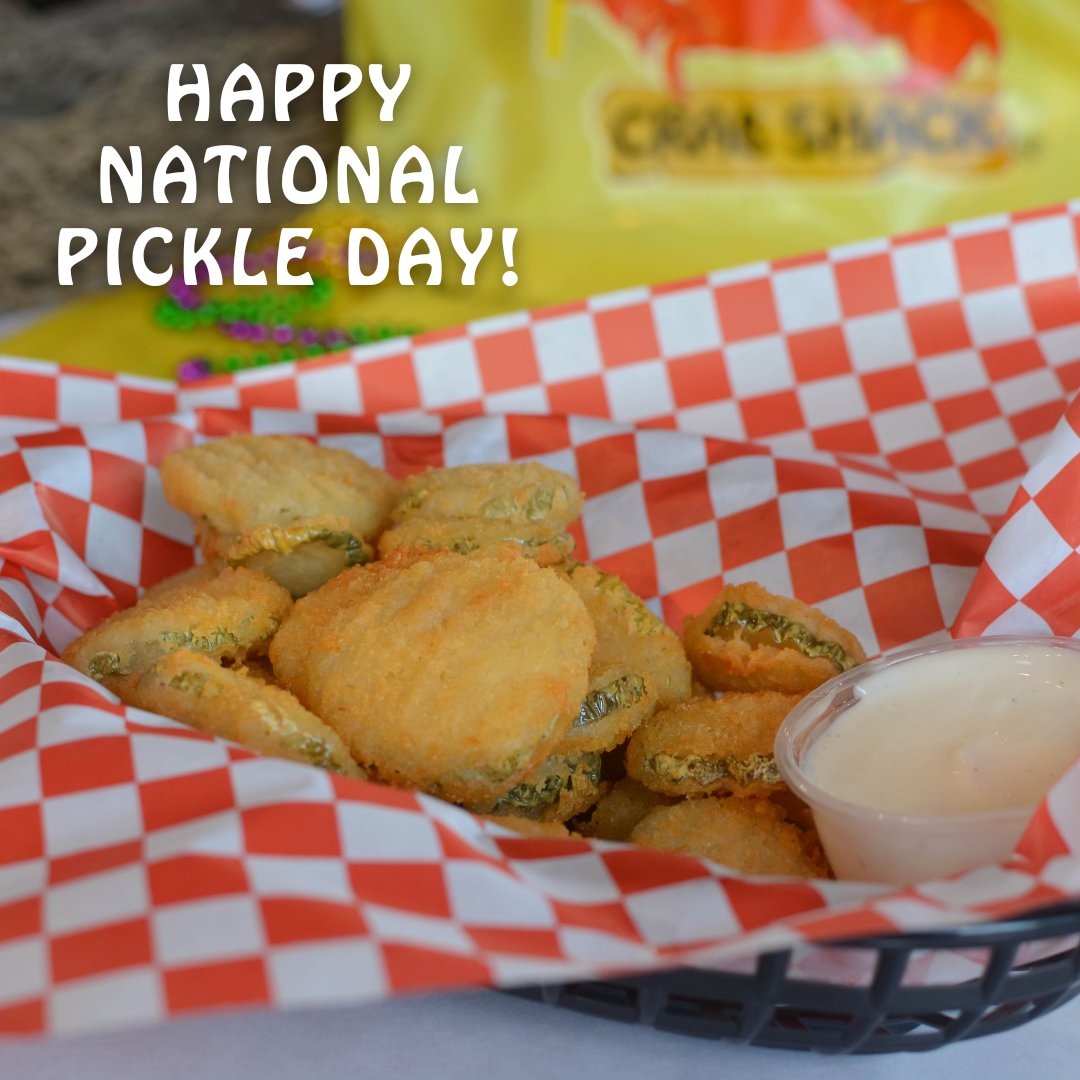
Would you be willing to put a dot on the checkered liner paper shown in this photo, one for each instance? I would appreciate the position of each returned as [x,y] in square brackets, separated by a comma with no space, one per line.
[882,430]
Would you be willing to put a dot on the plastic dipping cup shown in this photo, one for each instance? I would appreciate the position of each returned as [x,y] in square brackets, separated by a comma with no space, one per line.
[899,847]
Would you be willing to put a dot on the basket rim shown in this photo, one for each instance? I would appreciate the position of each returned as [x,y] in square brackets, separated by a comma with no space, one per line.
[1052,921]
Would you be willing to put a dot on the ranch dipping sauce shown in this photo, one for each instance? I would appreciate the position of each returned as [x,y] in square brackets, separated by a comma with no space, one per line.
[933,761]
[956,732]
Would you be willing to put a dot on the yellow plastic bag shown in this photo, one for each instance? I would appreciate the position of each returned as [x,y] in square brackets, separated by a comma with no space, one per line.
[638,141]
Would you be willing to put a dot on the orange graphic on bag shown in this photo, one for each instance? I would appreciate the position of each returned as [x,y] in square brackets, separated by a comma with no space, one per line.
[927,103]
[938,35]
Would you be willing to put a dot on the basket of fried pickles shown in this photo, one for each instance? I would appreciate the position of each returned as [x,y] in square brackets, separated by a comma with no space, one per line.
[437,634]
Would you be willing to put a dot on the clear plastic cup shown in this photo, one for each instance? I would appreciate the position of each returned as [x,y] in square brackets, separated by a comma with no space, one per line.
[867,844]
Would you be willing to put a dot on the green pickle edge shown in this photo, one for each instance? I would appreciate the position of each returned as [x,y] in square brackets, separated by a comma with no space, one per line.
[784,632]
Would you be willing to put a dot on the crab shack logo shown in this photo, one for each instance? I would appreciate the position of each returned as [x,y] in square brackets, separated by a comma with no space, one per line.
[879,83]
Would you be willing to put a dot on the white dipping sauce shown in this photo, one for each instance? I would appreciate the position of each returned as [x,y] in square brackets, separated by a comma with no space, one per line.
[955,732]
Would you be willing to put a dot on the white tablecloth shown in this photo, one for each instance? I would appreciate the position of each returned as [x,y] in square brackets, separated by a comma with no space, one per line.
[488,1036]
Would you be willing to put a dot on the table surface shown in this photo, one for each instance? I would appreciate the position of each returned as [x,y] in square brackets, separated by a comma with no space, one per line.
[489,1035]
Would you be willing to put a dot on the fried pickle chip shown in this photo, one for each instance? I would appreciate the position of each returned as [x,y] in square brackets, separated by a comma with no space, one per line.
[617,702]
[518,492]
[747,835]
[629,636]
[298,512]
[564,786]
[454,675]
[708,745]
[469,536]
[226,615]
[620,809]
[299,557]
[189,687]
[482,509]
[749,639]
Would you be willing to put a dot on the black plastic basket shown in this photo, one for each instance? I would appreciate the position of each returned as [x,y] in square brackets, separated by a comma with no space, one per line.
[771,1007]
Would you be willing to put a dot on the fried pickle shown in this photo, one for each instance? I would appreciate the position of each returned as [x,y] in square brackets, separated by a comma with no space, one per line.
[620,809]
[708,745]
[629,635]
[298,512]
[749,639]
[747,835]
[519,492]
[480,509]
[472,536]
[618,700]
[189,687]
[227,615]
[454,675]
[564,786]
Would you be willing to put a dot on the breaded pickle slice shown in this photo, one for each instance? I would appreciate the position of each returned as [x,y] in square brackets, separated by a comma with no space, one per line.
[518,492]
[617,702]
[620,809]
[454,675]
[225,614]
[747,835]
[629,635]
[749,639]
[542,543]
[299,557]
[299,512]
[189,687]
[564,786]
[532,829]
[708,745]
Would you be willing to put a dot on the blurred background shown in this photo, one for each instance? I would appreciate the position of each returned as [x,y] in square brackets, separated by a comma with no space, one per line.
[631,142]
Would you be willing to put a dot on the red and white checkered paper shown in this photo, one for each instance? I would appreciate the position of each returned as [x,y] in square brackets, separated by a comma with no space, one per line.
[849,427]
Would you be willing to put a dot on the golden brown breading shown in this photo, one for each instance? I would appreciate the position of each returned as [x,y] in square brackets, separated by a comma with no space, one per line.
[540,830]
[454,675]
[225,615]
[619,811]
[189,687]
[468,536]
[300,557]
[708,745]
[747,835]
[749,639]
[629,636]
[481,509]
[518,492]
[298,512]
